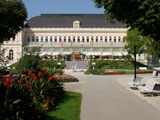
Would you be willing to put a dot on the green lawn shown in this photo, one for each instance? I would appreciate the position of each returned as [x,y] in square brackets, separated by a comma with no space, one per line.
[68,107]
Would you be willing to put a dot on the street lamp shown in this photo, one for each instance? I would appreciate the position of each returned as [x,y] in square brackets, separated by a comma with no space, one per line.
[59,64]
[93,65]
[135,61]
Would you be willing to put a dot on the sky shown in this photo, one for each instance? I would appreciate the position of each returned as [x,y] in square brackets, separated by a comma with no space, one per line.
[37,7]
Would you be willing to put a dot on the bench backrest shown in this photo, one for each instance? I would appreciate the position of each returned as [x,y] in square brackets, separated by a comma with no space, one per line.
[150,84]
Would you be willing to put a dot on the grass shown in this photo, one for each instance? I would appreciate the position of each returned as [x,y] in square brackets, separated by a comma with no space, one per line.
[68,108]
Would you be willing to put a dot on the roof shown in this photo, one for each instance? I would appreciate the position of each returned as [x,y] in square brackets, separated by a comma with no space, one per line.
[66,21]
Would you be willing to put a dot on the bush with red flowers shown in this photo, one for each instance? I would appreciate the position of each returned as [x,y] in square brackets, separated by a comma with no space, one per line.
[28,96]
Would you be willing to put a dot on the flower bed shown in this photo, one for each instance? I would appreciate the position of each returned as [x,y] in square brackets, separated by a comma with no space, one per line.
[66,78]
[114,73]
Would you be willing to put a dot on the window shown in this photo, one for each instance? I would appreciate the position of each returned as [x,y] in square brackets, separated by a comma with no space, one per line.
[110,38]
[76,24]
[87,38]
[28,39]
[11,54]
[69,39]
[78,39]
[41,38]
[50,38]
[64,39]
[83,39]
[114,38]
[73,39]
[119,38]
[32,38]
[60,38]
[46,38]
[106,39]
[96,38]
[55,39]
[37,38]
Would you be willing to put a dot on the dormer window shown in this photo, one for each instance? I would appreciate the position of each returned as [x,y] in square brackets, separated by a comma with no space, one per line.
[76,24]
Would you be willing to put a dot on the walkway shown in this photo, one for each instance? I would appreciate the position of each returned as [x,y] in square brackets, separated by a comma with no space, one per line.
[105,99]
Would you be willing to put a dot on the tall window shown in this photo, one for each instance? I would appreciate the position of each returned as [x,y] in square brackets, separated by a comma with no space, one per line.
[32,38]
[69,39]
[28,38]
[78,39]
[64,39]
[96,38]
[55,38]
[119,38]
[87,38]
[37,39]
[50,38]
[46,38]
[106,39]
[41,38]
[11,54]
[114,38]
[73,38]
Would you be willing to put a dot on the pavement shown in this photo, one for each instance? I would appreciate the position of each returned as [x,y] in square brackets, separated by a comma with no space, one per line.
[110,98]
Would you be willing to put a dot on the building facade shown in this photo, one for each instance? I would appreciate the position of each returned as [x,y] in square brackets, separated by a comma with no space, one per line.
[63,34]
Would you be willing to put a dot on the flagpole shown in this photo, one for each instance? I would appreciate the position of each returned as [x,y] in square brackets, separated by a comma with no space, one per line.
[101,49]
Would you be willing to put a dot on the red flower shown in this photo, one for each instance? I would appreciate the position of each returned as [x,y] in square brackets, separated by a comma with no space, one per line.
[27,86]
[26,77]
[29,73]
[7,82]
[4,78]
[60,75]
[19,81]
[50,78]
[39,74]
[34,74]
[35,77]
[44,69]
[10,74]
[54,77]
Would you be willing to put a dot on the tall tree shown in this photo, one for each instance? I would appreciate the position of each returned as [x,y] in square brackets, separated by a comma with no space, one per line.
[135,39]
[12,16]
[141,14]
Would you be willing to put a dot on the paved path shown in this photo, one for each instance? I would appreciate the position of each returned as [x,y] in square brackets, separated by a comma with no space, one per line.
[105,99]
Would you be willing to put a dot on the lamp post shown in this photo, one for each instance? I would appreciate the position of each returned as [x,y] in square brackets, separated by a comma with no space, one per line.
[135,59]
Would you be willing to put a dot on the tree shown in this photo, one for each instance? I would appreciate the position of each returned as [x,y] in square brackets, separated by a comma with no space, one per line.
[30,60]
[135,39]
[12,16]
[141,14]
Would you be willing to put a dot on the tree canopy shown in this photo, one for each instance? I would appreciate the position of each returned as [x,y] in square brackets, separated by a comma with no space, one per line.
[141,14]
[12,16]
[134,38]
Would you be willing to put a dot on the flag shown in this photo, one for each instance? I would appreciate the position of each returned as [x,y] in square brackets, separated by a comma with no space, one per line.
[110,43]
[42,44]
[91,43]
[71,43]
[61,43]
[81,44]
[101,43]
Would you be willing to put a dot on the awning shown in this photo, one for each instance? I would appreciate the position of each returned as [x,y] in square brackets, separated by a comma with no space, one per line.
[76,53]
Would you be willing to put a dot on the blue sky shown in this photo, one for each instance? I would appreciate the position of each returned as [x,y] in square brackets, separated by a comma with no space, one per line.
[36,7]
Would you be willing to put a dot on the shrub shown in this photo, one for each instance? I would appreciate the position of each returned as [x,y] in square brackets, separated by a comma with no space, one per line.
[28,96]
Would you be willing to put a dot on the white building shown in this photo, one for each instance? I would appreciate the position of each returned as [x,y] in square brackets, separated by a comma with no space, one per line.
[67,33]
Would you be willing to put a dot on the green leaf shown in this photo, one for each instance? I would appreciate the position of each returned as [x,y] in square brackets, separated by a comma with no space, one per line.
[16,101]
